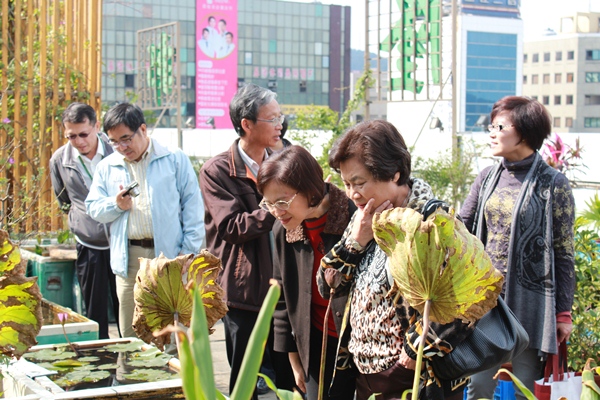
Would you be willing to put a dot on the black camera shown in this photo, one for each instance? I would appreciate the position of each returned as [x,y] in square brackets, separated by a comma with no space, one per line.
[132,189]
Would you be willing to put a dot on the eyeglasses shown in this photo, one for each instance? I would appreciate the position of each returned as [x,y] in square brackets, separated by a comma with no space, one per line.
[123,142]
[80,135]
[275,121]
[498,127]
[280,204]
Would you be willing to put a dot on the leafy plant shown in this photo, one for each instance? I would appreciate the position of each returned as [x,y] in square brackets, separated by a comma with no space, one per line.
[591,214]
[162,295]
[584,341]
[560,155]
[196,359]
[440,269]
[20,302]
[450,177]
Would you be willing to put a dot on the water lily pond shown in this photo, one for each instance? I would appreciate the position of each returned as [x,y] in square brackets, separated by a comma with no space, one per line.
[110,365]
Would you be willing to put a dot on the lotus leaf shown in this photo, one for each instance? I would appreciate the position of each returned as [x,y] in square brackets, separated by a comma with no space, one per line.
[149,375]
[20,302]
[159,360]
[163,296]
[440,261]
[81,375]
[50,354]
[132,346]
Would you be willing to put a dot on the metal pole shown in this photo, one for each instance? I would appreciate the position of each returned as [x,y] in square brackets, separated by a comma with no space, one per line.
[178,84]
[454,88]
[367,61]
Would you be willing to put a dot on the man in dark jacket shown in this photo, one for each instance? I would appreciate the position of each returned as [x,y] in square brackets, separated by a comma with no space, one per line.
[237,229]
[72,170]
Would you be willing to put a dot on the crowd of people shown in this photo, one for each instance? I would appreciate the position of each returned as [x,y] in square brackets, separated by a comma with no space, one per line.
[266,211]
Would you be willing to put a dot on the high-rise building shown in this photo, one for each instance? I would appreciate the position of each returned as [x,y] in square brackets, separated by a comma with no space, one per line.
[299,50]
[562,71]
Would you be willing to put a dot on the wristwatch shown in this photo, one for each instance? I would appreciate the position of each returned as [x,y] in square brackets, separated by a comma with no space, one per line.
[353,245]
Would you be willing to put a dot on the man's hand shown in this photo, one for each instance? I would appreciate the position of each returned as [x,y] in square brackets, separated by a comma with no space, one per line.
[124,200]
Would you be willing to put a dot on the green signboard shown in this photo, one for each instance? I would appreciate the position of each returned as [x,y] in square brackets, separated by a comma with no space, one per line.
[415,35]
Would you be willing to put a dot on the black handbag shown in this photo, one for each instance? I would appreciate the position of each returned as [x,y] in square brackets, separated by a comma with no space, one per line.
[498,337]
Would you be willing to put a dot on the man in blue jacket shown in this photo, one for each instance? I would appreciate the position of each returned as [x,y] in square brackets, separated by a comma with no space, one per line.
[72,168]
[164,215]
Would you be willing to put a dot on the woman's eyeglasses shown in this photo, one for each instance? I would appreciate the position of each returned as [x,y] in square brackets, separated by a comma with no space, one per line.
[280,204]
[498,127]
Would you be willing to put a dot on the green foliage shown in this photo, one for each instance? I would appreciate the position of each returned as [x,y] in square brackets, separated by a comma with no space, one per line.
[450,177]
[197,375]
[314,119]
[591,215]
[584,342]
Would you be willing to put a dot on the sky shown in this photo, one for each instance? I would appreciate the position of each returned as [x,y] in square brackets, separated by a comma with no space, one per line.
[538,15]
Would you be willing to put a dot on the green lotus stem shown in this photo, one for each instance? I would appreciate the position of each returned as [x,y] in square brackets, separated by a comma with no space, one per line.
[200,349]
[417,379]
[324,346]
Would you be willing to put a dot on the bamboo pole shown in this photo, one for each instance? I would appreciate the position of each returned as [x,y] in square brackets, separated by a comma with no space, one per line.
[30,165]
[3,116]
[56,51]
[45,200]
[69,33]
[17,116]
[97,93]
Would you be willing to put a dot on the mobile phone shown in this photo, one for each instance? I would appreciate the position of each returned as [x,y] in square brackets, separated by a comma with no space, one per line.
[132,189]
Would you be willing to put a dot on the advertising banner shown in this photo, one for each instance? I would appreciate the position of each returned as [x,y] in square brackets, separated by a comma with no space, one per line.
[216,62]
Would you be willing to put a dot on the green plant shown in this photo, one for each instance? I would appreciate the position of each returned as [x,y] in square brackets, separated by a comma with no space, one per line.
[196,359]
[449,177]
[584,342]
[591,215]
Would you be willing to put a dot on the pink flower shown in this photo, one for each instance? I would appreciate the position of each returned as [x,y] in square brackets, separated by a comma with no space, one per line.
[11,160]
[62,317]
[6,120]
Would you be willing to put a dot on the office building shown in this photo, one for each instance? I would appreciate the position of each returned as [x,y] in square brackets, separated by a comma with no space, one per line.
[562,71]
[299,50]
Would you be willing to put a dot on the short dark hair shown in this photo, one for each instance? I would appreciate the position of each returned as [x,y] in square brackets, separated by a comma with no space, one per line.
[76,113]
[379,146]
[229,34]
[295,167]
[126,114]
[529,117]
[246,103]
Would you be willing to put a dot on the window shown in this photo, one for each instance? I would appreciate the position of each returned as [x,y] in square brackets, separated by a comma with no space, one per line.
[524,58]
[558,56]
[534,79]
[592,100]
[535,98]
[248,58]
[592,55]
[558,78]
[568,122]
[272,46]
[556,122]
[535,58]
[129,80]
[590,77]
[569,99]
[570,55]
[524,79]
[546,100]
[557,100]
[546,57]
[546,78]
[591,122]
[570,77]
[302,86]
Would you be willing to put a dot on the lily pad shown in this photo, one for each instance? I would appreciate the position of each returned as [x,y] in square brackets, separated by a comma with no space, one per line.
[124,347]
[149,375]
[156,361]
[70,363]
[108,366]
[89,359]
[50,354]
[81,375]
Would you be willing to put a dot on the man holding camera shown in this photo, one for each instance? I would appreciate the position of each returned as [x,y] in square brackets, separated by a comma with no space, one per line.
[163,213]
[72,168]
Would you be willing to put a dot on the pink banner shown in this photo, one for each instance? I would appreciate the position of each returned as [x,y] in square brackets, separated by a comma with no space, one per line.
[216,62]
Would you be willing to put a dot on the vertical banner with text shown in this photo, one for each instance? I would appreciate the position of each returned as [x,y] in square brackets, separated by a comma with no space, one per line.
[216,62]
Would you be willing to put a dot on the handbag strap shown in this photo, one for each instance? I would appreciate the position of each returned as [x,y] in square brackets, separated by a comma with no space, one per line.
[556,364]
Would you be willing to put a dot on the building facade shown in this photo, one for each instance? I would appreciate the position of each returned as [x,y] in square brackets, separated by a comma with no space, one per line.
[299,50]
[562,71]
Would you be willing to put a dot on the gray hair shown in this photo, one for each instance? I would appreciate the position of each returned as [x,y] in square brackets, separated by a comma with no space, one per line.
[246,103]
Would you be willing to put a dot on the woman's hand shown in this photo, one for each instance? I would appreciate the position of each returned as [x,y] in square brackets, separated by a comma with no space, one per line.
[406,361]
[563,331]
[362,228]
[297,370]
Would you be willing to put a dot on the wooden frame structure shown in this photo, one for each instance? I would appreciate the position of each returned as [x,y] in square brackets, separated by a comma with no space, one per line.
[50,56]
